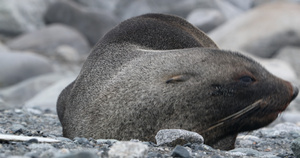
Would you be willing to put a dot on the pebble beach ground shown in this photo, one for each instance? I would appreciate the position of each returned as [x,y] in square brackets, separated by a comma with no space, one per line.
[267,142]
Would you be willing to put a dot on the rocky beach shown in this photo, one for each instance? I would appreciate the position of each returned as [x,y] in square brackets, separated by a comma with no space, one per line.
[43,45]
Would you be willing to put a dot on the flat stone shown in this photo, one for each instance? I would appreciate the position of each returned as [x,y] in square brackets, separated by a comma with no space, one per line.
[82,154]
[259,31]
[18,93]
[93,24]
[180,151]
[7,137]
[246,151]
[47,98]
[291,55]
[22,16]
[173,137]
[18,66]
[46,40]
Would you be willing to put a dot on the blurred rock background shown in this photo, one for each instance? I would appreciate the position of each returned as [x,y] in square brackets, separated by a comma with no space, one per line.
[43,43]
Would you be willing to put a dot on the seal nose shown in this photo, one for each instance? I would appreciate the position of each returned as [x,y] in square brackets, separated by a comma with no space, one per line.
[295,92]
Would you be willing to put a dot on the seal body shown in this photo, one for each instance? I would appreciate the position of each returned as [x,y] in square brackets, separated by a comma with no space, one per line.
[157,72]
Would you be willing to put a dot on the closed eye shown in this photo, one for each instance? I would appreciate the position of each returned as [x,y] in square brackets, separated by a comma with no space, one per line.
[247,79]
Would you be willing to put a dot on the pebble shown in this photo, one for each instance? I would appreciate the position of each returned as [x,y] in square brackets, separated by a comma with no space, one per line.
[246,151]
[180,151]
[83,154]
[173,137]
[81,140]
[128,149]
[17,128]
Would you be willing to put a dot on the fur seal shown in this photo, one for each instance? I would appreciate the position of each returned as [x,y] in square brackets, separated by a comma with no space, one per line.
[157,71]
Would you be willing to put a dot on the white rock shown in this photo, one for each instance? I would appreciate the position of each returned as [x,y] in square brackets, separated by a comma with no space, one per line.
[229,10]
[22,16]
[8,137]
[67,54]
[280,69]
[47,98]
[46,40]
[18,66]
[290,55]
[128,149]
[20,92]
[262,31]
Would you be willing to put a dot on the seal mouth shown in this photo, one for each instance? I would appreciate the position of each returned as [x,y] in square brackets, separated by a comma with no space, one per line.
[260,107]
[249,109]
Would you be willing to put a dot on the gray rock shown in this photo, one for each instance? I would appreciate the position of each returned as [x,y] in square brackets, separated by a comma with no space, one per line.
[47,98]
[82,154]
[296,147]
[108,141]
[22,16]
[68,54]
[260,31]
[292,117]
[17,94]
[206,19]
[287,127]
[279,68]
[278,131]
[129,8]
[244,5]
[126,9]
[173,137]
[81,140]
[247,140]
[93,24]
[18,66]
[3,47]
[46,40]
[294,106]
[128,149]
[263,2]
[108,6]
[291,55]
[40,146]
[17,127]
[246,151]
[180,151]
[230,11]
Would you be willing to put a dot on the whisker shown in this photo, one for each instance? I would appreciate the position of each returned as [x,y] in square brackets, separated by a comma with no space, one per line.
[241,112]
[236,115]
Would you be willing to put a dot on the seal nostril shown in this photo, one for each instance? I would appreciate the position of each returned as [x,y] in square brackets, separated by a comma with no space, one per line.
[295,92]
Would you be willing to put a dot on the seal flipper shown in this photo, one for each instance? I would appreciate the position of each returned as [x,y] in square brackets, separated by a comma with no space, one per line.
[226,143]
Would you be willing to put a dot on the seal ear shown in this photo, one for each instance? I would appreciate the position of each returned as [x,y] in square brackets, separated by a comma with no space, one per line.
[178,78]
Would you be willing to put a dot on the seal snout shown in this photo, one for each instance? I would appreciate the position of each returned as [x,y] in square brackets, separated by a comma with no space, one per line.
[295,92]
